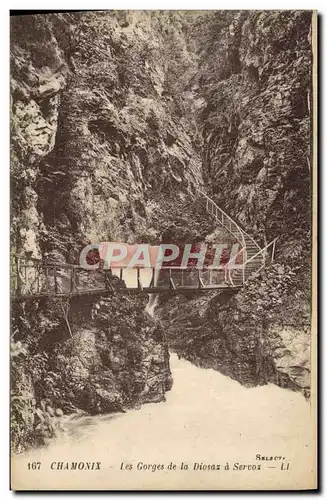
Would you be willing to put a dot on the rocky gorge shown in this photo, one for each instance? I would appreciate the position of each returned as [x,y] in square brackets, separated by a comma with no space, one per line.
[117,119]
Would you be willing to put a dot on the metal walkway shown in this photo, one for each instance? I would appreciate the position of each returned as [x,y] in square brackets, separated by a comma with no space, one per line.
[31,278]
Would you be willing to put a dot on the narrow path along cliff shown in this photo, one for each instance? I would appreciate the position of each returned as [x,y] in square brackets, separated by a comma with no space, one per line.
[199,419]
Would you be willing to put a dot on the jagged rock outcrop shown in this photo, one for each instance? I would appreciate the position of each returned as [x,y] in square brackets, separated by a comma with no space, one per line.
[255,85]
[258,335]
[256,122]
[96,135]
[78,354]
[37,79]
[116,360]
[117,118]
[96,132]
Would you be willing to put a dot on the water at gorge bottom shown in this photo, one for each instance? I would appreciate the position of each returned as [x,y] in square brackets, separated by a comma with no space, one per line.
[206,419]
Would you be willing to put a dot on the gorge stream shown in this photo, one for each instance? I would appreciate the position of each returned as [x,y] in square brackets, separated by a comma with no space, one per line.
[119,121]
[130,278]
[205,412]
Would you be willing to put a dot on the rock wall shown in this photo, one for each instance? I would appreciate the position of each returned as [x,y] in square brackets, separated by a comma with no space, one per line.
[117,118]
[99,129]
[256,124]
[97,133]
[255,85]
[79,354]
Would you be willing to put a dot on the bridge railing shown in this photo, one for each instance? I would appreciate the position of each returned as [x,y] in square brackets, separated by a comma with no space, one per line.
[30,277]
[238,274]
[225,220]
[235,273]
[182,277]
[268,256]
[33,277]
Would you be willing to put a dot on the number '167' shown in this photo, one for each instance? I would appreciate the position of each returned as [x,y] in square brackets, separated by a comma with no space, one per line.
[34,465]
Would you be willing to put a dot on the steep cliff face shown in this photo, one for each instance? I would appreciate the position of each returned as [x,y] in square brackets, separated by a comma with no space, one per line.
[38,74]
[255,83]
[117,119]
[79,354]
[98,126]
[97,134]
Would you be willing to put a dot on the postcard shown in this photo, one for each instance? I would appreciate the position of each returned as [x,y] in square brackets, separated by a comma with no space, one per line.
[163,250]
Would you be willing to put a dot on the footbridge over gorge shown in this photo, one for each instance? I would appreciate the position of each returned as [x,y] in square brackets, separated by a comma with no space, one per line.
[31,278]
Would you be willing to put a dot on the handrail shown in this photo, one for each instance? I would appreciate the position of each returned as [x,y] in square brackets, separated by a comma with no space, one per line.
[230,219]
[241,236]
[273,250]
[228,266]
[220,209]
[21,262]
[241,233]
[74,266]
[234,258]
[262,250]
